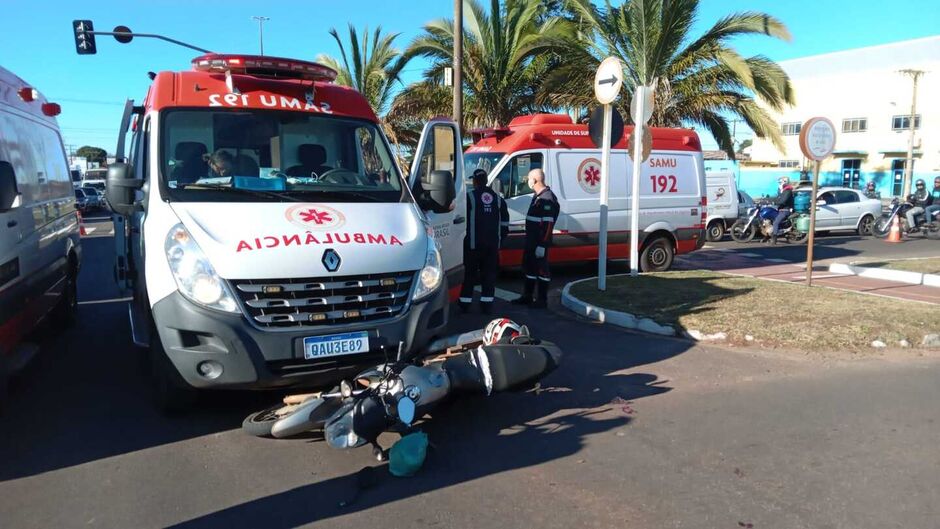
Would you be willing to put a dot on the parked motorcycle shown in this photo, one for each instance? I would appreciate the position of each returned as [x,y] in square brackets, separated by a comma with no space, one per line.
[393,395]
[760,220]
[899,208]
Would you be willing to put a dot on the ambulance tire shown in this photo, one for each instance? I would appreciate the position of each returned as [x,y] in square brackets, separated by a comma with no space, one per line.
[715,231]
[657,255]
[171,394]
[65,312]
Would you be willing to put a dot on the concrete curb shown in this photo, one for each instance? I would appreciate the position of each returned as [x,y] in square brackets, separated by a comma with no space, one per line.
[900,276]
[613,317]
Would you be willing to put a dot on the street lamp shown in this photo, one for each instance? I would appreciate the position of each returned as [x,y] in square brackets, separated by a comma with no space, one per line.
[261,21]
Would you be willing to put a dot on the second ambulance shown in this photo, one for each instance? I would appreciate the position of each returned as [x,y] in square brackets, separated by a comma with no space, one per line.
[672,188]
[267,234]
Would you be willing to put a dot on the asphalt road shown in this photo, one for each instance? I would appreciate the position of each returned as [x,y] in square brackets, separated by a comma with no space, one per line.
[632,431]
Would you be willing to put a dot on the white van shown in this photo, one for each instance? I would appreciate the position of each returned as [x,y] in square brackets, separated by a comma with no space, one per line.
[672,189]
[40,251]
[723,204]
[267,234]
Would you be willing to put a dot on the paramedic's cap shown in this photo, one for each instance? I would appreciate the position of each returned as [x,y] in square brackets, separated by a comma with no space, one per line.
[479,177]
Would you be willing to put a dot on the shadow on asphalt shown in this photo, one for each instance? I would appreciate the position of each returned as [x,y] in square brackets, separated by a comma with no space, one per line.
[476,437]
[84,399]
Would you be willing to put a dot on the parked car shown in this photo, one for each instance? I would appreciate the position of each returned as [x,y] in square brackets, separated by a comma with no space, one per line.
[745,203]
[40,246]
[842,208]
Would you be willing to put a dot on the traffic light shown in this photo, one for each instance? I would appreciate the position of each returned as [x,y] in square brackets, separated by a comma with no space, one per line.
[84,38]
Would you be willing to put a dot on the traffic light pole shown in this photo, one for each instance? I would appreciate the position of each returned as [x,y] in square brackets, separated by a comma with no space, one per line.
[129,35]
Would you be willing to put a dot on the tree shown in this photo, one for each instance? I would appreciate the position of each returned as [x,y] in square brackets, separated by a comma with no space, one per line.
[697,81]
[507,51]
[93,154]
[372,67]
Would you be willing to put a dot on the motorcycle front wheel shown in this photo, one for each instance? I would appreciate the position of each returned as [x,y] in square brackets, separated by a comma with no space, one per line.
[259,423]
[741,234]
[881,228]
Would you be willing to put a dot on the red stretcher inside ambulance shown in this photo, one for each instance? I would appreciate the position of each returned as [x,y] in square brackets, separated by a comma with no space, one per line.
[267,233]
[672,188]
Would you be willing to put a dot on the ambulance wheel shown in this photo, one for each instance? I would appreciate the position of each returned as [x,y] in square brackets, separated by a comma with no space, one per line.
[66,310]
[657,255]
[171,394]
[715,231]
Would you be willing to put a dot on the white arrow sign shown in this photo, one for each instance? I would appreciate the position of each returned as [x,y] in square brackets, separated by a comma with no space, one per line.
[608,80]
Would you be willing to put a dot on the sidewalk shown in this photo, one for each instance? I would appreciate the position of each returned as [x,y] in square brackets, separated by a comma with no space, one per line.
[753,265]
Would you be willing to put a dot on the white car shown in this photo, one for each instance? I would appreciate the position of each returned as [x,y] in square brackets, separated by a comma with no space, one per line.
[842,208]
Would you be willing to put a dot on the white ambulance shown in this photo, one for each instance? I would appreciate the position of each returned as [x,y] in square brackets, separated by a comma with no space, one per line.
[267,234]
[672,188]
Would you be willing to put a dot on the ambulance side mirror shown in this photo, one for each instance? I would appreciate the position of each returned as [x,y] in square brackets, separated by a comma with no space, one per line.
[121,187]
[439,192]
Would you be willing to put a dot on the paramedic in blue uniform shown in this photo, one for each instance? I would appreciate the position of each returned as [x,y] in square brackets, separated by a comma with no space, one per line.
[488,225]
[539,224]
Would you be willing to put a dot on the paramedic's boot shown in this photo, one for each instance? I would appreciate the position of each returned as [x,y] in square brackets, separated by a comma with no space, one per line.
[526,297]
[541,301]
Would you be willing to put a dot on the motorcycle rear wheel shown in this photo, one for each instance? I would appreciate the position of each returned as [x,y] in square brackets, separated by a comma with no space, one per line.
[259,423]
[739,234]
[797,237]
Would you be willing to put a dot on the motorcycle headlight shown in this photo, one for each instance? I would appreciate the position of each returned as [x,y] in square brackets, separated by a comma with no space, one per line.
[432,274]
[195,277]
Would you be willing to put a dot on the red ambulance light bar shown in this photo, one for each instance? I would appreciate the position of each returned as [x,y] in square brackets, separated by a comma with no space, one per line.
[262,66]
[51,109]
[498,133]
[28,94]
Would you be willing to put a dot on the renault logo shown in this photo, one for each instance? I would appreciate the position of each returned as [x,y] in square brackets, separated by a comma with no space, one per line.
[331,260]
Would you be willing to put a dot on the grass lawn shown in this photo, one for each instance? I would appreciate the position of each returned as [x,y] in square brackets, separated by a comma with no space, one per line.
[924,266]
[777,315]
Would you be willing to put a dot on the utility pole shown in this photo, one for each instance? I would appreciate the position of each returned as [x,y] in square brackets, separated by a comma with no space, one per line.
[909,164]
[261,21]
[458,63]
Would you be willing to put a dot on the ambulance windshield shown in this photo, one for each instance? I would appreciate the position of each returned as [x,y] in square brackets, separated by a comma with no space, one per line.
[480,160]
[265,155]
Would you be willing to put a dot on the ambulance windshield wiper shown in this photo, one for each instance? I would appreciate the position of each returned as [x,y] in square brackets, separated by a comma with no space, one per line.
[280,196]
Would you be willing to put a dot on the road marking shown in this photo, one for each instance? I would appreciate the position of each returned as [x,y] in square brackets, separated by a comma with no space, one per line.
[504,295]
[100,301]
[776,260]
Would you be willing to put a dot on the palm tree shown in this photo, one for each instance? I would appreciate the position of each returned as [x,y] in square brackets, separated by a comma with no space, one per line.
[507,50]
[701,81]
[373,67]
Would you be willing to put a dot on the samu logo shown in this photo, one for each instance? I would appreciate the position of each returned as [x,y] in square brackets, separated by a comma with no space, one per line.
[315,217]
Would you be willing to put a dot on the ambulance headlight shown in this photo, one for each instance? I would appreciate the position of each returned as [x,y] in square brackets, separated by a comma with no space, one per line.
[432,274]
[194,275]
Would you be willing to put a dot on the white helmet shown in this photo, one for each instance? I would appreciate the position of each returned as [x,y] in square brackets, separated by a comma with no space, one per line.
[503,330]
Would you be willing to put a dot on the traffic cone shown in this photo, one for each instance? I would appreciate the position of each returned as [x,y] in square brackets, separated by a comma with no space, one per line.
[81,224]
[895,234]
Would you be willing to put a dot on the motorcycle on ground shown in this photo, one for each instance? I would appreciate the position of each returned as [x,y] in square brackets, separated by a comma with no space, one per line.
[393,395]
[929,228]
[760,220]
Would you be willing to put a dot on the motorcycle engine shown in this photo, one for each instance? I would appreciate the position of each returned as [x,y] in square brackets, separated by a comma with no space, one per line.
[767,228]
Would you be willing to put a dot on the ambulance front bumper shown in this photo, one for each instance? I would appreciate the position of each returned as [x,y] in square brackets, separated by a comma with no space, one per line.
[243,356]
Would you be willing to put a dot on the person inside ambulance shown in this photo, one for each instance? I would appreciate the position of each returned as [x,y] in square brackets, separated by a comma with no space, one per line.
[189,162]
[488,225]
[539,225]
[784,203]
[221,164]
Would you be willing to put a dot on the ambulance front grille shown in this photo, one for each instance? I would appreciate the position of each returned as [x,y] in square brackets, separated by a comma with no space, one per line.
[308,302]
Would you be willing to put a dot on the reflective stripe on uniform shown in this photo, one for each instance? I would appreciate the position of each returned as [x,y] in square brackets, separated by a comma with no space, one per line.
[466,300]
[486,299]
[544,278]
[527,276]
[473,221]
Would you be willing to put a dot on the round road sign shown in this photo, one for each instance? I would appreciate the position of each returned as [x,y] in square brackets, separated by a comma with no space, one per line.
[596,127]
[817,138]
[608,80]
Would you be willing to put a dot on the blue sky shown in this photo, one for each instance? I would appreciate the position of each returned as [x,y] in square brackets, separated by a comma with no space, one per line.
[37,42]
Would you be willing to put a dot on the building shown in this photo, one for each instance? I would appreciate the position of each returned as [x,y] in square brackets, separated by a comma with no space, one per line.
[862,92]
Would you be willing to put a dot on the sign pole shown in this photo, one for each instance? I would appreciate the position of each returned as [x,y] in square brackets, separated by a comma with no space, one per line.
[812,226]
[605,188]
[638,120]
